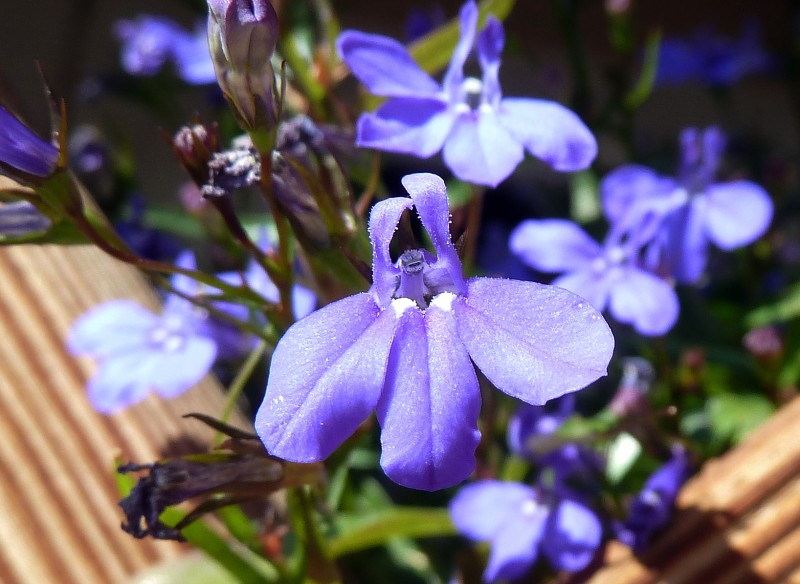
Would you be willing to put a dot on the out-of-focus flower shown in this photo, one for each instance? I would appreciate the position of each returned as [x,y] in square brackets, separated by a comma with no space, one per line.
[145,241]
[405,349]
[712,58]
[693,209]
[482,134]
[21,219]
[638,375]
[150,42]
[521,522]
[651,510]
[139,351]
[24,156]
[531,434]
[242,35]
[607,276]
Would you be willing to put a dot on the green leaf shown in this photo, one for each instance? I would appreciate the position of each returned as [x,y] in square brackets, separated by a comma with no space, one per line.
[784,309]
[644,86]
[195,568]
[585,197]
[623,452]
[734,415]
[359,532]
[433,51]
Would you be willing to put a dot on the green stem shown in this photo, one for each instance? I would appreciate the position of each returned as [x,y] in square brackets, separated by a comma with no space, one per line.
[237,385]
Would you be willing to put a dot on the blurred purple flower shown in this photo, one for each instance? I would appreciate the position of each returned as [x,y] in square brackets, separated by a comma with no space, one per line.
[652,508]
[520,522]
[23,154]
[406,349]
[21,219]
[607,276]
[482,134]
[531,433]
[710,57]
[139,351]
[150,42]
[693,209]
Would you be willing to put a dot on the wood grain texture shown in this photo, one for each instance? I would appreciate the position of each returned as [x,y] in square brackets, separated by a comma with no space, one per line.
[59,519]
[738,520]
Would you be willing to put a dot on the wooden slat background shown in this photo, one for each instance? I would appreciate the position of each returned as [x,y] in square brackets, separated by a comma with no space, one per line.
[738,520]
[59,520]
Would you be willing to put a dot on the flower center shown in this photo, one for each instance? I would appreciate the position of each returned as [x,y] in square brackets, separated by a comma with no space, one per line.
[169,335]
[471,93]
[420,281]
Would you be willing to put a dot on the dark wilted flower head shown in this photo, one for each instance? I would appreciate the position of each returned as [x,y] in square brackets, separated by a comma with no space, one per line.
[237,168]
[194,147]
[242,35]
[311,186]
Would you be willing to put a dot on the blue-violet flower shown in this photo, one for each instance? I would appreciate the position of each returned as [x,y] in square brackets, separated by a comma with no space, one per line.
[139,351]
[520,522]
[483,134]
[651,510]
[607,276]
[23,154]
[405,349]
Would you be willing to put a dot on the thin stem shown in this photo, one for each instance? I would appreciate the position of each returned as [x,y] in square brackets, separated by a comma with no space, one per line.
[237,385]
[474,214]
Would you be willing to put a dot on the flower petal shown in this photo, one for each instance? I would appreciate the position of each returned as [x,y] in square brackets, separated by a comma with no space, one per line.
[592,286]
[572,536]
[468,17]
[406,125]
[550,132]
[384,65]
[516,549]
[490,45]
[429,409]
[22,149]
[553,245]
[480,150]
[645,301]
[628,184]
[326,376]
[481,510]
[383,220]
[110,328]
[737,213]
[533,342]
[177,371]
[685,244]
[429,194]
[121,381]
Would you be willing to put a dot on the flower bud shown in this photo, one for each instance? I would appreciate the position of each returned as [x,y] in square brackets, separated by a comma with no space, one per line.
[24,156]
[242,35]
[194,148]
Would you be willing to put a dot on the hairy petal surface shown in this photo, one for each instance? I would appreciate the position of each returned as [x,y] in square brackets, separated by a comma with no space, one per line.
[429,409]
[533,342]
[553,245]
[326,376]
[480,150]
[383,220]
[384,65]
[406,125]
[737,213]
[429,194]
[550,132]
[645,301]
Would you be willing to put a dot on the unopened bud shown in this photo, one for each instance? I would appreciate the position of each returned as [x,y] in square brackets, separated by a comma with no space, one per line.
[242,35]
[194,147]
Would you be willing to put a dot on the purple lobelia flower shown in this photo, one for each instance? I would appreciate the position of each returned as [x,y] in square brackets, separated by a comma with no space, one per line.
[607,276]
[139,351]
[483,135]
[150,42]
[652,508]
[521,522]
[693,208]
[406,349]
[531,433]
[24,156]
